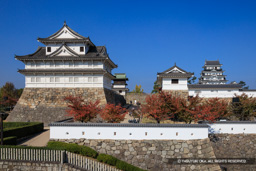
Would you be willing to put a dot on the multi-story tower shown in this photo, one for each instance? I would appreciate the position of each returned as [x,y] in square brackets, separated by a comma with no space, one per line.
[119,84]
[212,73]
[69,64]
[68,60]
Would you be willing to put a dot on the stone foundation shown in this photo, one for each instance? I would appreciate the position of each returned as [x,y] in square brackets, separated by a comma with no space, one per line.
[47,105]
[180,93]
[154,154]
[235,146]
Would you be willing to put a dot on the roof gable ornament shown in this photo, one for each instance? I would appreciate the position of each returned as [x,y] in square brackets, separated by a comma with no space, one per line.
[64,51]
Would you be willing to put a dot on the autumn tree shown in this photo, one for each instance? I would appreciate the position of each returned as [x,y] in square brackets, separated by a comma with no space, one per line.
[159,106]
[80,110]
[113,114]
[186,109]
[211,110]
[156,88]
[137,89]
[245,108]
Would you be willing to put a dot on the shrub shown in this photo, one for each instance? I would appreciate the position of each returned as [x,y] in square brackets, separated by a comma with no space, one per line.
[10,141]
[107,159]
[74,148]
[22,129]
[87,151]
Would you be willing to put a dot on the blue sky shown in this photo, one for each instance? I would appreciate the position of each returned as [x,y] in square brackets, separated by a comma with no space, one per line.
[142,37]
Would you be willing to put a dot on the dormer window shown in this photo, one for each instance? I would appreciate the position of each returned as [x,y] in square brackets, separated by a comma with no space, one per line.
[49,49]
[81,49]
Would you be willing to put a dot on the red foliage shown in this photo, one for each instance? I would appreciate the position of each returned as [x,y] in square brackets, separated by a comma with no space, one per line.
[113,114]
[81,110]
[185,110]
[211,110]
[159,106]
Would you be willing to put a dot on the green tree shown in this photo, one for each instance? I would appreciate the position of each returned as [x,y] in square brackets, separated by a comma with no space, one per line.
[155,88]
[9,96]
[242,83]
[192,80]
[137,89]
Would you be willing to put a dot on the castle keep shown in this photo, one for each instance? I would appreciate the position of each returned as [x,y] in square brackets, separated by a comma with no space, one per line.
[68,64]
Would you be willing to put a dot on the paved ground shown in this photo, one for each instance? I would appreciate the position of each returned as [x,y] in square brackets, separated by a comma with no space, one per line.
[38,140]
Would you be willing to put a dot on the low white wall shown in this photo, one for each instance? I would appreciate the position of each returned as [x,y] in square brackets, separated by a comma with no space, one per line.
[119,132]
[232,127]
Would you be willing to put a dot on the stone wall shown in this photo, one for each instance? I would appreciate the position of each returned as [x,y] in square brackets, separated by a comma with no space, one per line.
[154,154]
[47,105]
[180,93]
[235,146]
[139,97]
[34,166]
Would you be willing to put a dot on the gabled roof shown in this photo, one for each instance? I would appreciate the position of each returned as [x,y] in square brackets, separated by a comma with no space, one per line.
[94,53]
[71,36]
[63,49]
[175,71]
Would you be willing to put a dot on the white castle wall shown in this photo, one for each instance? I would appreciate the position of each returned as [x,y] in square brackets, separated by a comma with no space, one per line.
[128,133]
[232,127]
[67,80]
[167,84]
[65,65]
[207,93]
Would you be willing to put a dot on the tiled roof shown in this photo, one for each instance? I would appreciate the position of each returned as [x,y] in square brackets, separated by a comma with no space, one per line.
[129,125]
[212,63]
[175,75]
[50,38]
[94,53]
[212,86]
[228,122]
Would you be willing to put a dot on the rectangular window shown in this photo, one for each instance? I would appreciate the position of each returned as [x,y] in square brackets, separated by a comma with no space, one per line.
[175,81]
[76,79]
[89,79]
[38,79]
[81,49]
[58,64]
[51,64]
[49,49]
[71,79]
[33,64]
[33,79]
[57,79]
[70,64]
[51,79]
[89,64]
[95,79]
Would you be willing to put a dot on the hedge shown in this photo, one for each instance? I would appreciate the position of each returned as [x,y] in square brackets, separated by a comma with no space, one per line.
[87,151]
[10,140]
[74,148]
[107,159]
[22,129]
